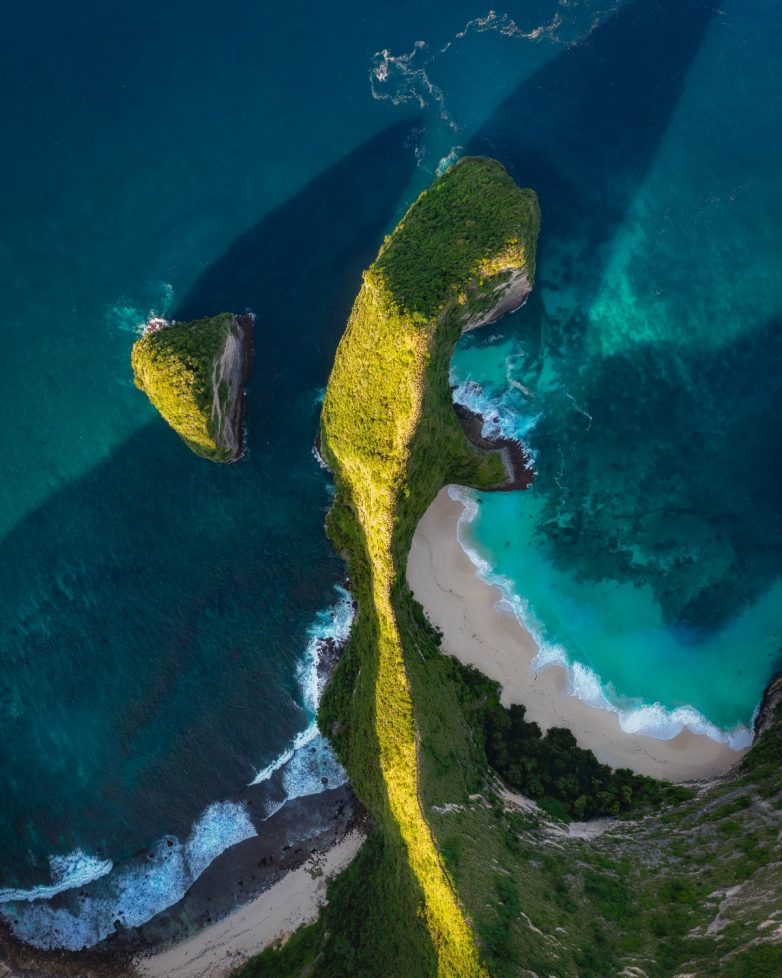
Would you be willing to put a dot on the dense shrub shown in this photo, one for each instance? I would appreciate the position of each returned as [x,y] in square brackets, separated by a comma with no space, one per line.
[554,767]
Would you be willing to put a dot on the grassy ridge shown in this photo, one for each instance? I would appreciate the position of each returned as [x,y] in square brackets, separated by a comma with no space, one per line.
[390,435]
[641,899]
[650,894]
[174,367]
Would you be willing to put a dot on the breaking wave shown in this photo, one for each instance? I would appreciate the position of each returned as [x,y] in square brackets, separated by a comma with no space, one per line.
[131,316]
[309,758]
[635,717]
[67,872]
[131,896]
[86,901]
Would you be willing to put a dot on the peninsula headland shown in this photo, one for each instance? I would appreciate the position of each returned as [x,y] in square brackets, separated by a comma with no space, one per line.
[462,876]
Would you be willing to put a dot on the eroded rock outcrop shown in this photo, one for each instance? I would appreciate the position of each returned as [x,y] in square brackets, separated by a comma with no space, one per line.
[195,374]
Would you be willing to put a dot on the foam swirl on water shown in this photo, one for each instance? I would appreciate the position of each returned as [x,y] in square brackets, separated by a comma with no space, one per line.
[131,316]
[67,872]
[405,78]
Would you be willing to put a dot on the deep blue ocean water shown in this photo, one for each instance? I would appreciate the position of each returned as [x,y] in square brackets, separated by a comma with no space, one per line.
[190,158]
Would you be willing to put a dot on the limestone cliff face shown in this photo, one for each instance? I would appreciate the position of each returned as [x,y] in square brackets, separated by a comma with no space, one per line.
[771,698]
[195,374]
[508,296]
[229,375]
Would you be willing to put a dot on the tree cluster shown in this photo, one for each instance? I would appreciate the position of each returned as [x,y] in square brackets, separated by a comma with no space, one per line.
[554,768]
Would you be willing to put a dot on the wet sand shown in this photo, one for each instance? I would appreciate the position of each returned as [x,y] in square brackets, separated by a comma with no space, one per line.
[271,917]
[477,632]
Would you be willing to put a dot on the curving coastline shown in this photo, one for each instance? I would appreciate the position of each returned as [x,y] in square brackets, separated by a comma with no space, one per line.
[519,466]
[296,811]
[455,880]
[462,254]
[289,903]
[480,629]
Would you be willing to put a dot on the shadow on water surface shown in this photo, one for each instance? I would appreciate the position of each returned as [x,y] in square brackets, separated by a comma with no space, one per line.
[158,582]
[584,131]
[128,591]
[156,609]
[736,531]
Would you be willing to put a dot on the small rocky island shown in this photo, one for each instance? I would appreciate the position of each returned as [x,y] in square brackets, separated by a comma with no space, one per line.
[195,374]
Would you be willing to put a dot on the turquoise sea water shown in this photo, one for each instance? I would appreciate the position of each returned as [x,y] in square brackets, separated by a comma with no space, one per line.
[159,612]
[645,375]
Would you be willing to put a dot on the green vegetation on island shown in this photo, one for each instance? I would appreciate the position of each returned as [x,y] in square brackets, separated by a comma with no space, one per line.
[194,374]
[566,780]
[459,877]
[391,437]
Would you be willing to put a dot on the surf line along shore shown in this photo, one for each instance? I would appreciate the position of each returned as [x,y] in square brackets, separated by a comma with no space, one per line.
[480,631]
[294,900]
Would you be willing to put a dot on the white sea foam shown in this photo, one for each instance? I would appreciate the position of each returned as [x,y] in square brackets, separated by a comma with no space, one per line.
[505,25]
[404,78]
[510,414]
[134,317]
[67,873]
[635,717]
[300,741]
[136,892]
[313,768]
[401,78]
[448,161]
[222,825]
[332,623]
[319,459]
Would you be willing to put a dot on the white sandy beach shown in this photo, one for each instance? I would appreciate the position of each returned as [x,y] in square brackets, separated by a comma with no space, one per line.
[273,916]
[476,631]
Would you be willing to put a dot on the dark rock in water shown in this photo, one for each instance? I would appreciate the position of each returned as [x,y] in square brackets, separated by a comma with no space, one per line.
[516,459]
[329,651]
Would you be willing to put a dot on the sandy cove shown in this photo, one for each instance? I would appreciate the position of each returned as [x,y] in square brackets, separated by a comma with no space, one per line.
[475,631]
[271,917]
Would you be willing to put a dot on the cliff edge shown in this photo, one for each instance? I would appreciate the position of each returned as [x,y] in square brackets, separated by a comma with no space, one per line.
[195,374]
[462,255]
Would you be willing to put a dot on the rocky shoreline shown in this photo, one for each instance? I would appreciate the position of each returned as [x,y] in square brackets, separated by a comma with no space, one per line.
[772,697]
[517,461]
[286,840]
[246,324]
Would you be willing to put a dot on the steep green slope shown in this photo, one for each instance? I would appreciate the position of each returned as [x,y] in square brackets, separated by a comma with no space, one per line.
[391,437]
[459,878]
[194,374]
[392,440]
[463,252]
[693,889]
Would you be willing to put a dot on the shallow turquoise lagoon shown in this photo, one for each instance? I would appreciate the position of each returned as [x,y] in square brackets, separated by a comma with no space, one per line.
[158,613]
[645,376]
